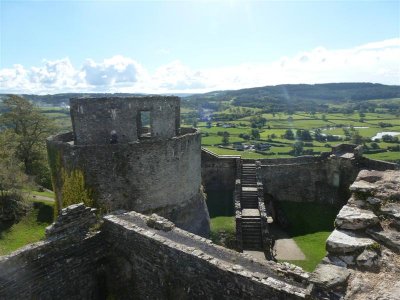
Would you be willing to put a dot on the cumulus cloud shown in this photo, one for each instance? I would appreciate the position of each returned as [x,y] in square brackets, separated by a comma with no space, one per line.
[116,70]
[53,76]
[373,62]
[176,76]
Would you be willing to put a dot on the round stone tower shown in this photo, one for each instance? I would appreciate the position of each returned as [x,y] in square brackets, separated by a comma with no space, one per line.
[130,153]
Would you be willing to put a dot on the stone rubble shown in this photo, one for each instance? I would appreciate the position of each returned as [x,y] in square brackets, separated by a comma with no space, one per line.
[366,241]
[73,220]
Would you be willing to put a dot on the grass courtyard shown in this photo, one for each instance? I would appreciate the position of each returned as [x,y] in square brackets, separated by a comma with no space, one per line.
[310,226]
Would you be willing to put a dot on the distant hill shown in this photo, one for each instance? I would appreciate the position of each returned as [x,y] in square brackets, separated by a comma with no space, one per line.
[280,97]
[296,95]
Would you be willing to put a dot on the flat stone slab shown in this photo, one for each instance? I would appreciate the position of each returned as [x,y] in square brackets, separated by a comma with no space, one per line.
[249,189]
[362,187]
[250,212]
[389,238]
[351,217]
[342,241]
[329,276]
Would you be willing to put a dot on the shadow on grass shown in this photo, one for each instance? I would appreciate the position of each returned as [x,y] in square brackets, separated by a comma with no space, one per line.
[220,203]
[45,212]
[4,227]
[306,218]
[309,225]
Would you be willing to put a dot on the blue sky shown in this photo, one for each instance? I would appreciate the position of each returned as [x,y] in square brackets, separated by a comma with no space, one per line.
[155,46]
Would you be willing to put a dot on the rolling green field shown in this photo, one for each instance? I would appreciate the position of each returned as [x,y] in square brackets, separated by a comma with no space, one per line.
[329,124]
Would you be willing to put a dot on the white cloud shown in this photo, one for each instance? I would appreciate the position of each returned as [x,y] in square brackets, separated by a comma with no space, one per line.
[373,62]
[176,76]
[116,70]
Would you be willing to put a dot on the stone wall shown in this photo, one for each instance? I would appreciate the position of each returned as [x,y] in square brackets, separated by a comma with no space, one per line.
[134,256]
[68,265]
[93,119]
[168,263]
[325,178]
[161,176]
[218,172]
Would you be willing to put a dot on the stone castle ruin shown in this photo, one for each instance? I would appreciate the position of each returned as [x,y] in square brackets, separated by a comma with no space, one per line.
[127,165]
[129,157]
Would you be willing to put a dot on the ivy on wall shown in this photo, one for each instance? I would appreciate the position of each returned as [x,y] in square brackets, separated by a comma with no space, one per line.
[74,190]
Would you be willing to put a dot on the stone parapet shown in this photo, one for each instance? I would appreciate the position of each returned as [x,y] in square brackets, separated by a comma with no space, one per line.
[178,265]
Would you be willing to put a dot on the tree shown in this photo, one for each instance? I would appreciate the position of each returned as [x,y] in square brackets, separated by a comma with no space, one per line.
[225,138]
[11,176]
[375,145]
[255,133]
[303,134]
[257,121]
[288,134]
[356,138]
[298,148]
[27,129]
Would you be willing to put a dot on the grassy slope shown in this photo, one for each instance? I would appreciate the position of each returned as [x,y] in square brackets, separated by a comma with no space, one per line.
[29,230]
[310,226]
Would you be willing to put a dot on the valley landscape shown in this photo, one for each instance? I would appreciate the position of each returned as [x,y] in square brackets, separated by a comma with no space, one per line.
[200,150]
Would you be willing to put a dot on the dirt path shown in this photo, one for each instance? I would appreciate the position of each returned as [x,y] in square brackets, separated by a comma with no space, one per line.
[285,247]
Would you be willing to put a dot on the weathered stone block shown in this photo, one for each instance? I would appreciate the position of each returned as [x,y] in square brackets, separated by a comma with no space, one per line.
[368,259]
[329,276]
[159,223]
[391,210]
[389,238]
[342,241]
[351,217]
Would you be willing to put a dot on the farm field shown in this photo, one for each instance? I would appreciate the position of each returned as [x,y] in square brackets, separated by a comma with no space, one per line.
[337,128]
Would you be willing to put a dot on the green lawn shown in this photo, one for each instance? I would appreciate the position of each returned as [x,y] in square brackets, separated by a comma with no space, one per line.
[30,229]
[388,156]
[310,226]
[223,231]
